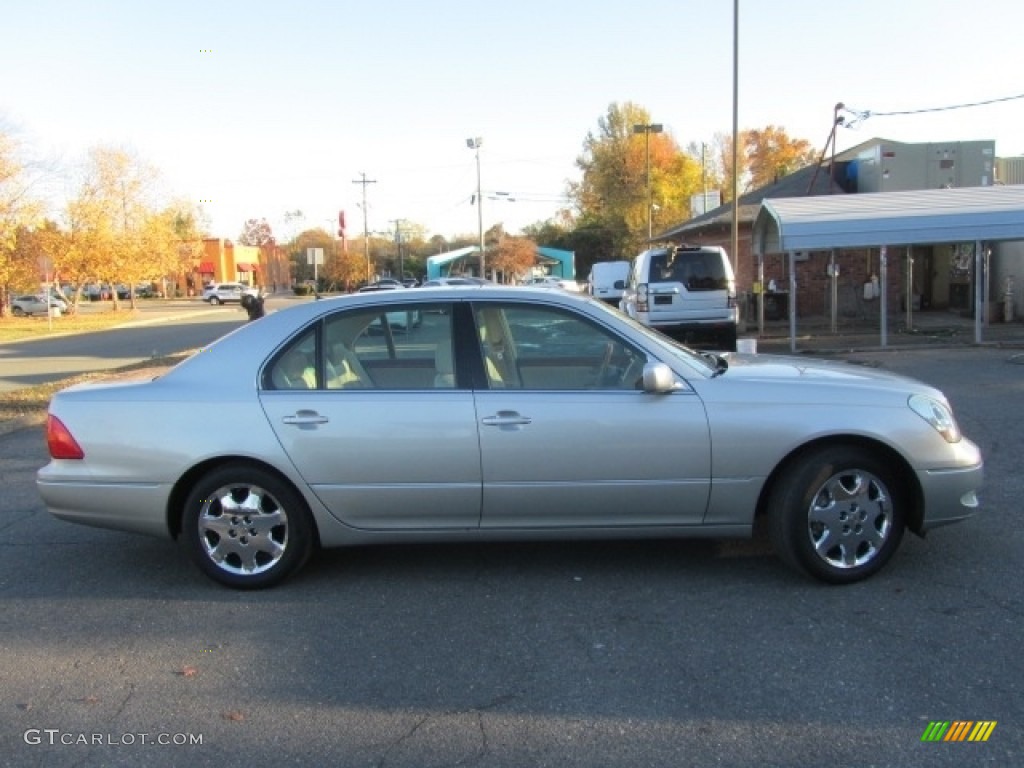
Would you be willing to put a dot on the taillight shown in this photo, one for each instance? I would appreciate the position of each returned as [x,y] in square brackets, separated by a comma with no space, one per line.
[641,298]
[60,441]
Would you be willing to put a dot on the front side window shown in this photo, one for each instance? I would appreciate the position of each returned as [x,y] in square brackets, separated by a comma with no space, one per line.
[544,348]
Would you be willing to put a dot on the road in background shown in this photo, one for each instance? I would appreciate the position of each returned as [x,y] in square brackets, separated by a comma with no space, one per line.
[570,654]
[160,329]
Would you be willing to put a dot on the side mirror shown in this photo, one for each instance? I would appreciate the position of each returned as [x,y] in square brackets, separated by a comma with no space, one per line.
[658,378]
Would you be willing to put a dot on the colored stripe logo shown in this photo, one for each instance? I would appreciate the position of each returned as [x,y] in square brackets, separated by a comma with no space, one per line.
[958,730]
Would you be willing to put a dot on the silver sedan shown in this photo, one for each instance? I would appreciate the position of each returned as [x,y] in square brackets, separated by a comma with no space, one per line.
[506,413]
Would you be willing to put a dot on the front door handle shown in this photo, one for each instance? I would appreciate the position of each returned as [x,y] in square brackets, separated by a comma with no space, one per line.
[304,417]
[506,419]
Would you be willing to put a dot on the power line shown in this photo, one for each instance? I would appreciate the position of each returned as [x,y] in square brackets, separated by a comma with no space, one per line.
[866,113]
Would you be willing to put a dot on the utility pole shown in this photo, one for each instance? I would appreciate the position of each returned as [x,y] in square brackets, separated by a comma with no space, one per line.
[735,244]
[703,178]
[366,228]
[474,144]
[398,242]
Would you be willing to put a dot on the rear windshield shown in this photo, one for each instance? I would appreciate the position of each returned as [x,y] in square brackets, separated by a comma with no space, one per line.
[696,270]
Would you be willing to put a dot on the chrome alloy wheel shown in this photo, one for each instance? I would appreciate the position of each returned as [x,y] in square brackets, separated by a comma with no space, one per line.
[243,529]
[850,518]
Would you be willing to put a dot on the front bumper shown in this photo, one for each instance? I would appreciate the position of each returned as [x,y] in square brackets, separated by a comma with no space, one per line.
[950,495]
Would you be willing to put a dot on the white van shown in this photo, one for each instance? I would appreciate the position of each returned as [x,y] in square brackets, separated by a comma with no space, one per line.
[607,280]
[687,292]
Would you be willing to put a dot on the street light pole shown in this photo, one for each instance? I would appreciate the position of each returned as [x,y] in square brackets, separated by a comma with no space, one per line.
[475,145]
[647,129]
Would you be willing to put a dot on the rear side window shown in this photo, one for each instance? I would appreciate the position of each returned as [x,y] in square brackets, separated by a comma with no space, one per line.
[695,270]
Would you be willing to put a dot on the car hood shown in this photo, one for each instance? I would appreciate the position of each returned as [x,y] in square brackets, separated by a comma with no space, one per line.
[780,369]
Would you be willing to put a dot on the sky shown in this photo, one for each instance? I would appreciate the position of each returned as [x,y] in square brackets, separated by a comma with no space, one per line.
[258,108]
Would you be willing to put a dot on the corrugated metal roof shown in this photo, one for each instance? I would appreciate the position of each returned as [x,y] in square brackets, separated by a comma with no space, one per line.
[890,218]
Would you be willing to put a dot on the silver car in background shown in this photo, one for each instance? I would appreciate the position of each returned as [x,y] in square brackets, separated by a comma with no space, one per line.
[506,413]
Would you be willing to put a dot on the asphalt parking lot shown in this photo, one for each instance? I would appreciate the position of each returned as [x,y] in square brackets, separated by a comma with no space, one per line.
[116,651]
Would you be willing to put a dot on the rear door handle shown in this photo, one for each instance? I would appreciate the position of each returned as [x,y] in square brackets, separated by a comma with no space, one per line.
[304,417]
[506,419]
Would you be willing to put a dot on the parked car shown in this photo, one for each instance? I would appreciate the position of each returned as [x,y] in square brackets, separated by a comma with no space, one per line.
[37,304]
[687,292]
[607,281]
[508,413]
[550,281]
[381,285]
[455,280]
[222,293]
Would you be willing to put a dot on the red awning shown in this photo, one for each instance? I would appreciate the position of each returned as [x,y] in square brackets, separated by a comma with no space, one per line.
[205,266]
[244,267]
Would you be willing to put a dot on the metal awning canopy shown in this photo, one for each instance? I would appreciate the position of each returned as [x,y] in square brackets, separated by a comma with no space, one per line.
[917,217]
[883,219]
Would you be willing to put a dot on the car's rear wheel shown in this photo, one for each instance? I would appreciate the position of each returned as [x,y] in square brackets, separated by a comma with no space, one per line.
[214,300]
[837,514]
[17,311]
[246,528]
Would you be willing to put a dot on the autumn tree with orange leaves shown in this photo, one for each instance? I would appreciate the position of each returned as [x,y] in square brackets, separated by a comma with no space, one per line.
[514,257]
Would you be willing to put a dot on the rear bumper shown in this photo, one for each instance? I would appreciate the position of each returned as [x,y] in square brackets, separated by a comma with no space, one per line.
[133,507]
[705,320]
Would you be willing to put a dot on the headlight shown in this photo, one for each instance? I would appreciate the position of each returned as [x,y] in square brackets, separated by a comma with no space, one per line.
[938,415]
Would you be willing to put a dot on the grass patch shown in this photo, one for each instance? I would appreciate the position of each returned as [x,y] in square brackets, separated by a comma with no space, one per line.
[17,328]
[27,406]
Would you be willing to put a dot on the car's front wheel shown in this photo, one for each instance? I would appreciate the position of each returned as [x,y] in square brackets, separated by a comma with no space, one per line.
[837,514]
[17,311]
[246,528]
[214,300]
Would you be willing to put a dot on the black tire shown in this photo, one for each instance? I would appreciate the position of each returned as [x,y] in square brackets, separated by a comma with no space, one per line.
[214,300]
[727,339]
[268,537]
[17,311]
[837,514]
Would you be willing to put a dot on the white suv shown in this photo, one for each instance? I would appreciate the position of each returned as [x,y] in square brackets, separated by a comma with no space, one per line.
[220,293]
[685,292]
